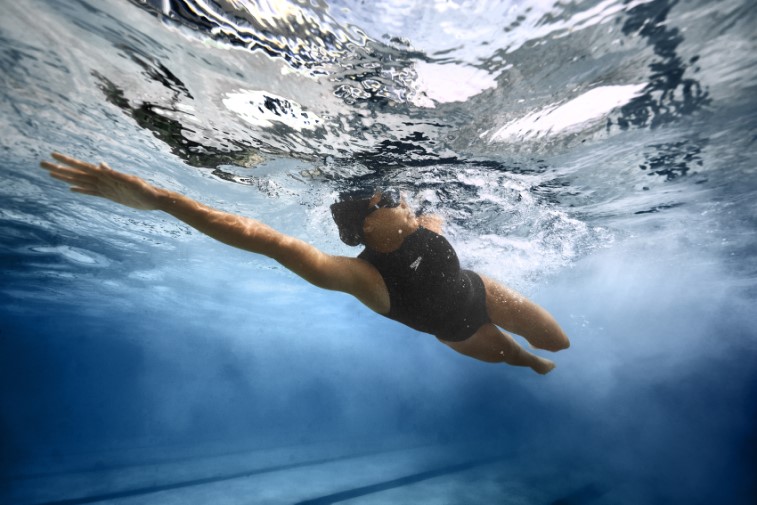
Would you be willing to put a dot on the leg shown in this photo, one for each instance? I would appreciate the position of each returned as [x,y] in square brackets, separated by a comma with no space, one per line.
[494,346]
[516,313]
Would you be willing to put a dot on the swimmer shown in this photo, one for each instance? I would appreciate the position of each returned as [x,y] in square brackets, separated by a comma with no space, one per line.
[407,272]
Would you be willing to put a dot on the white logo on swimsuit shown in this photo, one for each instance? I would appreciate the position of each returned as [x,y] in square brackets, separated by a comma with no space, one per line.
[415,264]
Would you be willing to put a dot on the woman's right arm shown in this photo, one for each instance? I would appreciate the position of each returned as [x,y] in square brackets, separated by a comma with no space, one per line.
[338,273]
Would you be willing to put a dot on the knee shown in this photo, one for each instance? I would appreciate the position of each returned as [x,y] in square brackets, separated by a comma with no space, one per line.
[557,344]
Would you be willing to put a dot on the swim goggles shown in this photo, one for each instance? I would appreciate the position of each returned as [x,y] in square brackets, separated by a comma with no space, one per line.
[390,199]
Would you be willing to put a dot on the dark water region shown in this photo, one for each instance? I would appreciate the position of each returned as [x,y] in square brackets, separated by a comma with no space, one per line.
[596,155]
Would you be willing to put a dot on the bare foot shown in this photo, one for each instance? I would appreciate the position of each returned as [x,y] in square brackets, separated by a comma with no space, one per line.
[543,366]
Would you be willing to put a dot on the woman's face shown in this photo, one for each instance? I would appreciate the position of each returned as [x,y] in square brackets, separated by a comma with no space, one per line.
[387,221]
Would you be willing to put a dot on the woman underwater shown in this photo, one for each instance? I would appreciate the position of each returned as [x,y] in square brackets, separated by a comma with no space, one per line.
[408,272]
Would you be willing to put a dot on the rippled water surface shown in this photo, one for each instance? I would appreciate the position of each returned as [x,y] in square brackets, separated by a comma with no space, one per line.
[597,155]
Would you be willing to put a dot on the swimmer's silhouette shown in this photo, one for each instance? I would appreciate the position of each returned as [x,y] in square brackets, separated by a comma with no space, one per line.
[407,272]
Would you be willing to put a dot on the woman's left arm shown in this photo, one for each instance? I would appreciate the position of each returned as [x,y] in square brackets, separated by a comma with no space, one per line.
[431,222]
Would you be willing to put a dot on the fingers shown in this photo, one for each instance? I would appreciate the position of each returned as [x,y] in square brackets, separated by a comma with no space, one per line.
[81,165]
[61,170]
[81,176]
[68,175]
[86,191]
[74,181]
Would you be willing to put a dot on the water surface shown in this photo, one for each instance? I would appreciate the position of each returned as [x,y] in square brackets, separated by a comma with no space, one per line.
[596,155]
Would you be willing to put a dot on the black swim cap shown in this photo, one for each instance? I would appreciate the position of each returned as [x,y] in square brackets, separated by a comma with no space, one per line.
[349,214]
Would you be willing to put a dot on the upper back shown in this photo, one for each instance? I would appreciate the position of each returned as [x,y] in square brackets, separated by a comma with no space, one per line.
[418,276]
[423,261]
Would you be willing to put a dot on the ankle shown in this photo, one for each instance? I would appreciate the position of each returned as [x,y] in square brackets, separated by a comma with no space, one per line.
[543,366]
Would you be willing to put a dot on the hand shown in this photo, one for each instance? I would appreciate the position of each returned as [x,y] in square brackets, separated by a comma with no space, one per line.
[101,180]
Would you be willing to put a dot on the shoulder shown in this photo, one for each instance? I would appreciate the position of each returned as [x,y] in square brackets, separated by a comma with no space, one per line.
[431,222]
[359,277]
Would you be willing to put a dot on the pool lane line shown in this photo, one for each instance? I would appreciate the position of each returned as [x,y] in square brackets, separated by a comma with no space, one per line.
[357,492]
[157,461]
[209,480]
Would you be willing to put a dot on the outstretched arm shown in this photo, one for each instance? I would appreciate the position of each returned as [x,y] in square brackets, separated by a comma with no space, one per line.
[330,272]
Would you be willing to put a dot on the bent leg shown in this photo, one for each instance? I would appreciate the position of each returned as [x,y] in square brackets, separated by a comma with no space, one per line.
[494,346]
[514,312]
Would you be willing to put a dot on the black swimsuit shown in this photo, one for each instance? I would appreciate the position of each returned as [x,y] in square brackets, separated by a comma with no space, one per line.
[427,289]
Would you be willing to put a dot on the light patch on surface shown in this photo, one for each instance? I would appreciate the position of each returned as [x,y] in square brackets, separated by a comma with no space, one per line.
[260,108]
[449,83]
[74,255]
[586,108]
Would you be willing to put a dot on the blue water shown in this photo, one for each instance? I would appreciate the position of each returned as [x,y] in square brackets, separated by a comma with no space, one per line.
[598,156]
